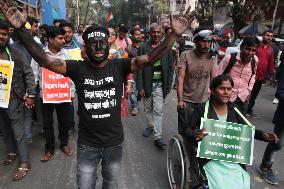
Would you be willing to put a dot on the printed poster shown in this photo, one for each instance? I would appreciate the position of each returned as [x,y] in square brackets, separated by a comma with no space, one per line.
[55,87]
[227,141]
[75,54]
[6,75]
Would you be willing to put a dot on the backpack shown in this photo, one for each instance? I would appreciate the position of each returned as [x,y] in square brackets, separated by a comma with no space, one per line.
[232,61]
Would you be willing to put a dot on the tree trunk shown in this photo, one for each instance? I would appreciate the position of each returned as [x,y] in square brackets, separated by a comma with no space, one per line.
[87,11]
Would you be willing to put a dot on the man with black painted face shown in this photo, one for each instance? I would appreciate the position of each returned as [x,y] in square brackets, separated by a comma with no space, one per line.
[98,82]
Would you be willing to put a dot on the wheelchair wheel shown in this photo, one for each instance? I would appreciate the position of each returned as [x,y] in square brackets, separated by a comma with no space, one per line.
[178,164]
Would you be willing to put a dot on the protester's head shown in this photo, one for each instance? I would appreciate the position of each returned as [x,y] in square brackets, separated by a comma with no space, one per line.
[267,36]
[122,32]
[81,28]
[4,34]
[11,30]
[137,27]
[112,36]
[215,35]
[248,48]
[55,37]
[155,32]
[68,28]
[136,36]
[221,88]
[34,24]
[168,30]
[43,29]
[202,38]
[57,22]
[96,44]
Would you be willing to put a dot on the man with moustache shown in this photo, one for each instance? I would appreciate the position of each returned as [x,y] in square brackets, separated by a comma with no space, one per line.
[21,95]
[265,55]
[196,68]
[99,86]
[132,53]
[154,83]
[242,68]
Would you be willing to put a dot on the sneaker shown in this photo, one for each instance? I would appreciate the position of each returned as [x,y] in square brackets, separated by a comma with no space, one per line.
[147,132]
[134,111]
[275,101]
[253,115]
[160,142]
[203,185]
[268,175]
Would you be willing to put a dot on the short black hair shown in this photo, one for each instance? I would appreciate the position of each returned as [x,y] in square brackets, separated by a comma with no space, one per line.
[218,80]
[44,26]
[267,31]
[53,31]
[250,41]
[93,29]
[66,24]
[4,24]
[58,20]
[123,29]
[133,31]
[31,20]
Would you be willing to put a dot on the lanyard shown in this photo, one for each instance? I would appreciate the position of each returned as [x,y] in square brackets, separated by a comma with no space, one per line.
[236,110]
[9,54]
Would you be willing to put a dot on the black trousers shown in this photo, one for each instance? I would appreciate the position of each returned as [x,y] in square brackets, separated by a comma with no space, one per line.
[64,119]
[254,93]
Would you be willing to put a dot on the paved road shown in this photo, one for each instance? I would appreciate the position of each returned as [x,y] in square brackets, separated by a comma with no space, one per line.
[144,165]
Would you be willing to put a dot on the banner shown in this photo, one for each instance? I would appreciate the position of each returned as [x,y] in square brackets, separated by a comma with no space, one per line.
[55,87]
[6,75]
[227,141]
[75,54]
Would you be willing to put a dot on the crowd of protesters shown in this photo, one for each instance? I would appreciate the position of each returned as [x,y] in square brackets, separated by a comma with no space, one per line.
[130,64]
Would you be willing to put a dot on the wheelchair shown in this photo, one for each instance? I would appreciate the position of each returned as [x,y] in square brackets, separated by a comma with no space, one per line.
[182,167]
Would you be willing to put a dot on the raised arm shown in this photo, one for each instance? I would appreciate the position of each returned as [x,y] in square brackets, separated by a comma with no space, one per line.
[179,26]
[18,19]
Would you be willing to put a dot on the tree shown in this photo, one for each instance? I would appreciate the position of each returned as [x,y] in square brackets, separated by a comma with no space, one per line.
[203,13]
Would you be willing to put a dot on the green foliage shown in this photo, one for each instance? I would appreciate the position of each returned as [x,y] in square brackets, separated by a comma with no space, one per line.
[129,12]
[161,7]
[204,12]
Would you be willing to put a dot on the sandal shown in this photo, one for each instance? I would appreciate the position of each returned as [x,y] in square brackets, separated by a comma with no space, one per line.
[47,156]
[22,172]
[10,158]
[66,150]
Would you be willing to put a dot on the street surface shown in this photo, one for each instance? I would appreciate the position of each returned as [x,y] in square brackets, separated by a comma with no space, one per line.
[144,165]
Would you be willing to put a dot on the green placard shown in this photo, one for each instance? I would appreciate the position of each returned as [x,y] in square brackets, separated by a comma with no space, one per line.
[227,141]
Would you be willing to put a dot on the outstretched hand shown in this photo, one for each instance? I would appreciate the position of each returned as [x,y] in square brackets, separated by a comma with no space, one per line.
[271,137]
[179,24]
[9,9]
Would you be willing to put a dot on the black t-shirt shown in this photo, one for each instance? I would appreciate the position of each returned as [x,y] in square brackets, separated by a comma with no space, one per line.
[99,97]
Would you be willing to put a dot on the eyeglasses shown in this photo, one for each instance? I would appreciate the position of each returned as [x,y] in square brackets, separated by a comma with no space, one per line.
[112,34]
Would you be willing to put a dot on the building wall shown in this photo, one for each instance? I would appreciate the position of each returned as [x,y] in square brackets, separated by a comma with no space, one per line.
[177,6]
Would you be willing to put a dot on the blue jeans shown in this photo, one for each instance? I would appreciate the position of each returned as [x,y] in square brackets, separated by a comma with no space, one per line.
[88,159]
[28,117]
[154,110]
[133,96]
